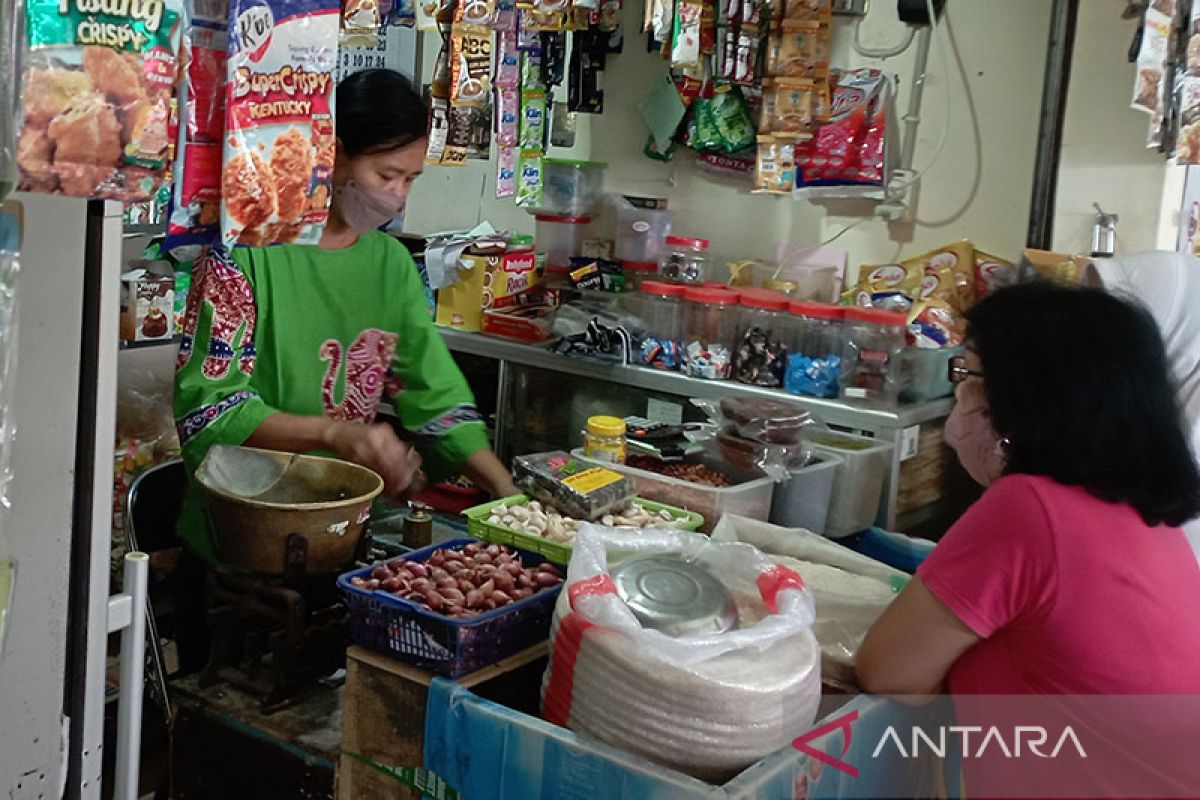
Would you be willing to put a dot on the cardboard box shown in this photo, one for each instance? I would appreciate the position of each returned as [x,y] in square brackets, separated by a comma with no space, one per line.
[486,282]
[148,301]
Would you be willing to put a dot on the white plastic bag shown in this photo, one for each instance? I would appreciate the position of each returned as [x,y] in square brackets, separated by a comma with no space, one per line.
[708,705]
[842,618]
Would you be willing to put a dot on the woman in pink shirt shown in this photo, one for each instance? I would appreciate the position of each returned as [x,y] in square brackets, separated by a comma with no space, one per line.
[1070,575]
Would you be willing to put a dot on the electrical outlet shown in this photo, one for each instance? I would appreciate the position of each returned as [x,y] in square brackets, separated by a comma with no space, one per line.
[856,8]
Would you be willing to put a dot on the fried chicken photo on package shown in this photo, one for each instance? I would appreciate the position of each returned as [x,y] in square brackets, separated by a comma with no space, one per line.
[277,165]
[97,101]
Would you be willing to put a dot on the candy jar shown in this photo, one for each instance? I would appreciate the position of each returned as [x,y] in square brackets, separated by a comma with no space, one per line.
[662,314]
[814,363]
[762,338]
[874,343]
[683,260]
[709,330]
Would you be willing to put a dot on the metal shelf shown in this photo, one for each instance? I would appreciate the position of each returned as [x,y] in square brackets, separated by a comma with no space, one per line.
[144,229]
[128,345]
[832,412]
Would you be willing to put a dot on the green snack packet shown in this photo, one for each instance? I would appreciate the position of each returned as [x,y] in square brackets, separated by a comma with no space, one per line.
[533,121]
[657,152]
[707,137]
[531,70]
[734,129]
[529,179]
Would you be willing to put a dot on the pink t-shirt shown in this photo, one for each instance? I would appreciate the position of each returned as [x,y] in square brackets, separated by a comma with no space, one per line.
[1071,594]
[1074,597]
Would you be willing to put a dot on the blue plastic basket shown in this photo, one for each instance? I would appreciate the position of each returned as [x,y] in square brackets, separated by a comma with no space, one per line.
[402,629]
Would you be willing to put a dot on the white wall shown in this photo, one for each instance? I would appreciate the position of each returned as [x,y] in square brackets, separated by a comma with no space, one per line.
[979,188]
[1104,155]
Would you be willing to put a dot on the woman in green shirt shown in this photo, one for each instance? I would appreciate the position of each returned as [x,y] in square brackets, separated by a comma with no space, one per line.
[292,348]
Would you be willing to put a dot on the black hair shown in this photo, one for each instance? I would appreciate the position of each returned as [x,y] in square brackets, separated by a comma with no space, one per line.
[378,110]
[1077,380]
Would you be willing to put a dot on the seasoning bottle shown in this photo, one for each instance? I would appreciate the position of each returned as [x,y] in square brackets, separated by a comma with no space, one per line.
[605,439]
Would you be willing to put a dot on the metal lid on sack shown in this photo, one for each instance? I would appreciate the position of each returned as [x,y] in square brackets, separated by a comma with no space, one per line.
[674,596]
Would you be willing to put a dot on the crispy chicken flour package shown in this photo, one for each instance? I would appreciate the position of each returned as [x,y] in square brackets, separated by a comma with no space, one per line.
[279,138]
[98,96]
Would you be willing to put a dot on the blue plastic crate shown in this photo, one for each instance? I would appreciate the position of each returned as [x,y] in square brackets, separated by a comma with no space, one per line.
[399,628]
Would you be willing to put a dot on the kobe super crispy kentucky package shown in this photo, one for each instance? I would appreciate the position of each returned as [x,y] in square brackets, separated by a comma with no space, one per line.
[98,96]
[279,138]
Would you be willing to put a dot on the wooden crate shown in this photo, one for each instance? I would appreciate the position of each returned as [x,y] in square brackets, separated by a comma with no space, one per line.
[383,714]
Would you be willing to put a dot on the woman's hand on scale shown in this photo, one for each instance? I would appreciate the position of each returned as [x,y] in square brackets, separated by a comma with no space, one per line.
[377,447]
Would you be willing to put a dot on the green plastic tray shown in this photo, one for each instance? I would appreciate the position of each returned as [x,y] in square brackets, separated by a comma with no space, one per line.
[558,552]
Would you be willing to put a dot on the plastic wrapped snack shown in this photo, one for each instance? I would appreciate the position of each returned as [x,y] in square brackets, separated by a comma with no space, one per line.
[762,420]
[98,97]
[279,138]
[577,489]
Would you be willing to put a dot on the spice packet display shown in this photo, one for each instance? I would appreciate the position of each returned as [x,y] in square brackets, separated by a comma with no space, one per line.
[529,179]
[533,120]
[470,65]
[992,273]
[775,166]
[506,172]
[98,97]
[849,150]
[195,217]
[577,489]
[279,137]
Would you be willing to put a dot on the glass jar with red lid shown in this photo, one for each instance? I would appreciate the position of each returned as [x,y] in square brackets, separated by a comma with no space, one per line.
[710,321]
[871,360]
[762,339]
[683,260]
[661,312]
[815,354]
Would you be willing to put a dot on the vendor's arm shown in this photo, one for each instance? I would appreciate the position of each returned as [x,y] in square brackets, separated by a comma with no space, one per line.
[215,397]
[433,399]
[994,568]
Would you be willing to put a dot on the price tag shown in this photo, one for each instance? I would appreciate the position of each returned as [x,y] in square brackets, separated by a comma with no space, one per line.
[910,439]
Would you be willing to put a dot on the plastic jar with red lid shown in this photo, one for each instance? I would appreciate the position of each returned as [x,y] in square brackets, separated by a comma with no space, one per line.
[710,320]
[661,311]
[871,362]
[815,356]
[683,260]
[762,339]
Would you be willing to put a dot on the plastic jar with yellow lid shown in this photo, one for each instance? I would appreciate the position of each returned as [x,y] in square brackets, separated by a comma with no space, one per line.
[605,439]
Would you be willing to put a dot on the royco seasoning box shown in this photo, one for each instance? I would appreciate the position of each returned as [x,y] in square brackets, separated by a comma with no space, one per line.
[486,281]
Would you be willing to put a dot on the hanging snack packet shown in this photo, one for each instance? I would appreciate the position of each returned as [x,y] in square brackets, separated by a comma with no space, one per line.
[893,287]
[196,199]
[589,53]
[476,12]
[848,151]
[731,119]
[461,134]
[529,179]
[508,117]
[98,97]
[279,138]
[807,10]
[800,50]
[933,323]
[992,273]
[554,58]
[775,166]
[533,121]
[685,50]
[508,62]
[789,106]
[361,21]
[955,266]
[470,65]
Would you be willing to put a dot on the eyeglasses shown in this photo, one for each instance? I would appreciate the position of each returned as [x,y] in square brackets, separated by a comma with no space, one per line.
[957,372]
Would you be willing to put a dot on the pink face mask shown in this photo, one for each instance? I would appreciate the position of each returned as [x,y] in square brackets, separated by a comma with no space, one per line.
[978,445]
[365,208]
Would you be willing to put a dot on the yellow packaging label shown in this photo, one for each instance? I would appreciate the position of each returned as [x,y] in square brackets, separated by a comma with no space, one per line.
[591,480]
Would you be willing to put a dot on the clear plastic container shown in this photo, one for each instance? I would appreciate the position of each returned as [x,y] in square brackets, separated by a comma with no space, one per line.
[802,501]
[661,310]
[871,360]
[750,496]
[709,332]
[571,188]
[638,273]
[683,260]
[764,327]
[859,482]
[815,353]
[640,233]
[604,439]
[924,373]
[560,238]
